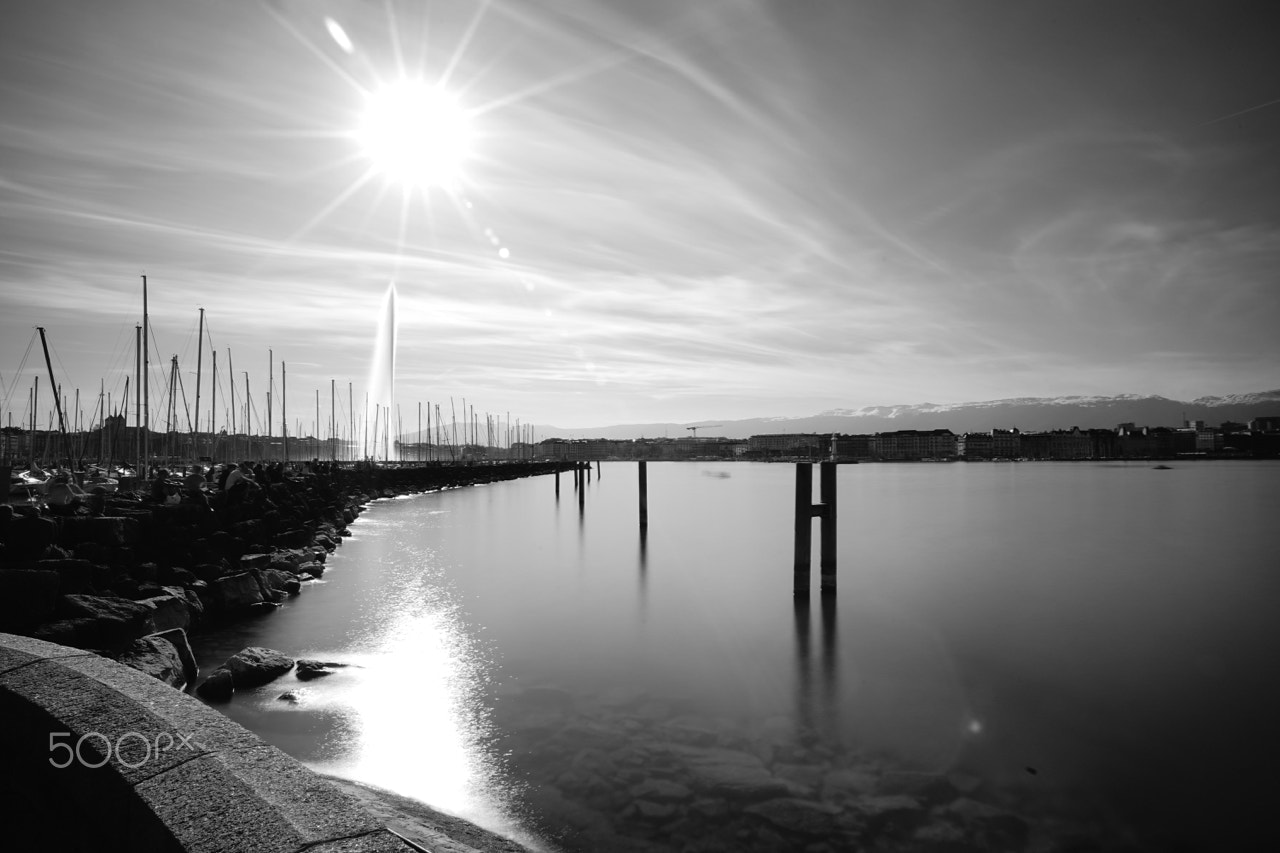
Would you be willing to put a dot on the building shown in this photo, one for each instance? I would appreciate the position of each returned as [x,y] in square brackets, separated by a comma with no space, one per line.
[912,445]
[787,445]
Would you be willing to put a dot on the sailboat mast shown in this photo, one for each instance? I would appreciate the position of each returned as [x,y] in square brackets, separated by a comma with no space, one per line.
[137,410]
[284,420]
[231,380]
[146,379]
[199,367]
[57,399]
[213,404]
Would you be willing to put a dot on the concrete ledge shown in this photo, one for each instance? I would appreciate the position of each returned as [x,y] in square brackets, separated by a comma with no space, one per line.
[150,768]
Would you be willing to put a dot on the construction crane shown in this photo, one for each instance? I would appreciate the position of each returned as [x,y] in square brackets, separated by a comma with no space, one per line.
[704,426]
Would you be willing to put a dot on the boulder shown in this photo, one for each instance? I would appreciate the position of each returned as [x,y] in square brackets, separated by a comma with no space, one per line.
[171,609]
[268,594]
[254,561]
[94,552]
[156,657]
[79,633]
[119,618]
[656,790]
[74,576]
[27,598]
[218,687]
[310,669]
[27,537]
[295,538]
[209,572]
[234,592]
[177,638]
[178,575]
[313,568]
[730,773]
[109,530]
[255,666]
[802,817]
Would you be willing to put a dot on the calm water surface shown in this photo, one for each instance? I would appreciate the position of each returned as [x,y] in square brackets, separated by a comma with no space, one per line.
[1020,656]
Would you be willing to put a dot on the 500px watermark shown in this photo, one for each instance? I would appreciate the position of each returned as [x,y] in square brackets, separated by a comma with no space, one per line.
[141,748]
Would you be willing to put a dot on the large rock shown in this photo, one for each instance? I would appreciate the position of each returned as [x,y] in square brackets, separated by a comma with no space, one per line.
[112,530]
[27,598]
[312,669]
[157,657]
[27,537]
[74,576]
[802,817]
[268,594]
[255,666]
[234,592]
[1001,828]
[171,609]
[254,561]
[118,620]
[78,633]
[284,582]
[730,773]
[218,687]
[178,639]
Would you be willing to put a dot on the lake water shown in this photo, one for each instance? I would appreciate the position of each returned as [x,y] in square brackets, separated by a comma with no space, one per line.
[1030,656]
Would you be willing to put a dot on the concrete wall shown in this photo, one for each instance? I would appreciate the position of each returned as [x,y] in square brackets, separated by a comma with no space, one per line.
[175,774]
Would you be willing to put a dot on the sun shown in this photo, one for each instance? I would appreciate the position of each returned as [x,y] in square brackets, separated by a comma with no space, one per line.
[416,133]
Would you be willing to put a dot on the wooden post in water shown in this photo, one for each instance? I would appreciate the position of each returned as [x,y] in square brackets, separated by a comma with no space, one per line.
[582,492]
[827,543]
[644,496]
[557,484]
[597,469]
[805,513]
[804,526]
[588,467]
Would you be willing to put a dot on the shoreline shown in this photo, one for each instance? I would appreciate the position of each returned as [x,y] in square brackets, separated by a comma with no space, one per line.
[130,580]
[424,826]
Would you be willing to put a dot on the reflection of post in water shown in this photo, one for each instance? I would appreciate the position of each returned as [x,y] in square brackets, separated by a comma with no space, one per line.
[829,668]
[804,673]
[810,720]
[644,569]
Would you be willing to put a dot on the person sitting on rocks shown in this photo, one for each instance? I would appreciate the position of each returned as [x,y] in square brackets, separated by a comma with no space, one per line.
[193,487]
[224,474]
[63,495]
[239,481]
[164,488]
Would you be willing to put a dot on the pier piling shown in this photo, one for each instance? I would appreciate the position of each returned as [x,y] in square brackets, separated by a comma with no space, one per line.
[827,543]
[644,497]
[805,512]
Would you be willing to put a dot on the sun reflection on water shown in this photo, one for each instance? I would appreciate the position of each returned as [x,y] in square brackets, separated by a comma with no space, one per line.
[416,723]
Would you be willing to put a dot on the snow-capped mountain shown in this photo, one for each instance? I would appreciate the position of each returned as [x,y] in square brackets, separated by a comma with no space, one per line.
[1025,413]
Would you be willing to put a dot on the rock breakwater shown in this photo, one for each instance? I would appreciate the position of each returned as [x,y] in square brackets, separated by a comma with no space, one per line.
[133,578]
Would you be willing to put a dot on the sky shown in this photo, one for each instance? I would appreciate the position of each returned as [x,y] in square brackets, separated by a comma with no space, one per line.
[666,211]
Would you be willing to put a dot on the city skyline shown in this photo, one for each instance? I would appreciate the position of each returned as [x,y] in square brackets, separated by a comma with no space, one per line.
[664,212]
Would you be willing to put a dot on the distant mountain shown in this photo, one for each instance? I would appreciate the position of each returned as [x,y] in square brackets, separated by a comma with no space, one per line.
[1025,413]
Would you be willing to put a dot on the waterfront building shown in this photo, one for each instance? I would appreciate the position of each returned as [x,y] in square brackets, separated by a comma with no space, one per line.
[908,445]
